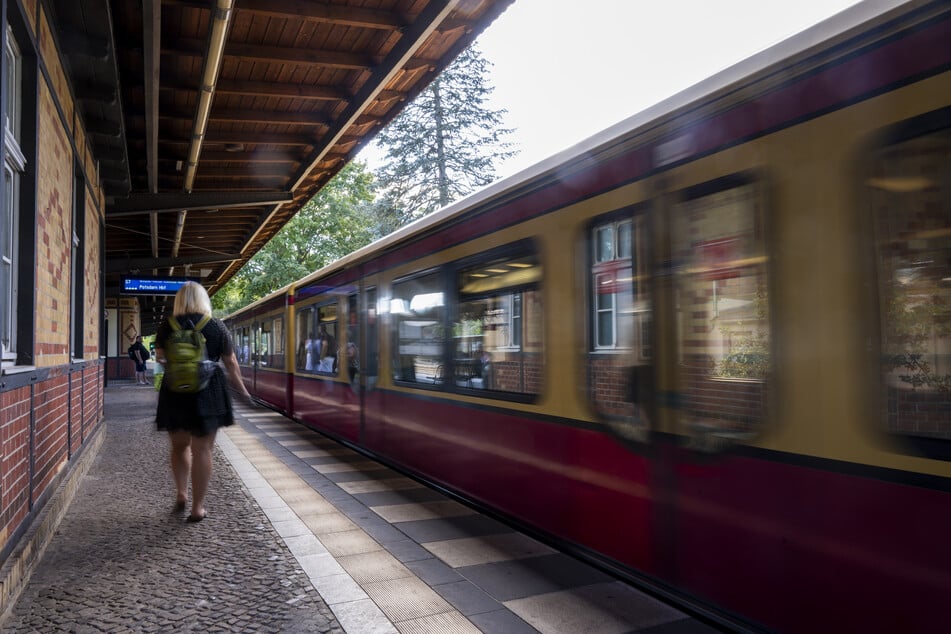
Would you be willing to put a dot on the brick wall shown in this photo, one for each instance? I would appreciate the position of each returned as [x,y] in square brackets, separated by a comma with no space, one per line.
[49,413]
[54,217]
[66,408]
[14,459]
[919,412]
[728,404]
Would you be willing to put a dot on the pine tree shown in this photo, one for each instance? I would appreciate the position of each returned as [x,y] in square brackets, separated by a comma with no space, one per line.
[443,146]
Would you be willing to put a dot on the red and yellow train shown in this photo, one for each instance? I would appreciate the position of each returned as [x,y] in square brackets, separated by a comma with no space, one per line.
[708,349]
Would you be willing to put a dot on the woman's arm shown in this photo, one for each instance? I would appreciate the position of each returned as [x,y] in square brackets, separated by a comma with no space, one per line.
[233,371]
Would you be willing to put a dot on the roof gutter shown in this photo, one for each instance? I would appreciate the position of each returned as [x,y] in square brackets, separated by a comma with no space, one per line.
[220,21]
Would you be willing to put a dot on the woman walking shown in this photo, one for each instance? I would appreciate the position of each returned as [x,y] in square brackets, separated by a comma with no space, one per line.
[192,419]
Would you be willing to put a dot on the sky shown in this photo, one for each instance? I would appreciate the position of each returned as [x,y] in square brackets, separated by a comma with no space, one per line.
[566,69]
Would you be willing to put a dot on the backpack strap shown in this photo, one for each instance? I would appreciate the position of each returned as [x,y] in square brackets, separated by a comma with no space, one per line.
[201,323]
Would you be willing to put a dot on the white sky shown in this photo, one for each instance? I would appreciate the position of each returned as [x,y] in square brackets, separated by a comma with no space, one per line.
[567,69]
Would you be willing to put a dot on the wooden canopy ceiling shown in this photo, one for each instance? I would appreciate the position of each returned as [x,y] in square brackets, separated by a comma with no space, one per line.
[215,121]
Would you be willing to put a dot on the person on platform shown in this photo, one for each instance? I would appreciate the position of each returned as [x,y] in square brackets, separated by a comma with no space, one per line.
[140,355]
[192,420]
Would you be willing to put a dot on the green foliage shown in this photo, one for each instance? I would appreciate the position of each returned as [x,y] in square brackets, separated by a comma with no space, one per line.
[913,323]
[444,145]
[337,221]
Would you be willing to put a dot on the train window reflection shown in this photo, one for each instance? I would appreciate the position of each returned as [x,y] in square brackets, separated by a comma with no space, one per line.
[620,371]
[242,345]
[419,319]
[306,335]
[909,189]
[325,346]
[722,310]
[497,332]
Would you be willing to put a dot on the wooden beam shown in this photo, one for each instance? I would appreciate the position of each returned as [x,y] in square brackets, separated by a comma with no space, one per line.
[310,10]
[189,47]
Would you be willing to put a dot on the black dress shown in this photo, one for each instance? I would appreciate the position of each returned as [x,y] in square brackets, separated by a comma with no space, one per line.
[204,412]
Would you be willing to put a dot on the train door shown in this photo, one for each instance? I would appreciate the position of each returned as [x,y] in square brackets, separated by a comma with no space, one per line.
[369,358]
[718,341]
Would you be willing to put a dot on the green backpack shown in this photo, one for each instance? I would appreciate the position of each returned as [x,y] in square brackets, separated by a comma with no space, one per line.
[187,368]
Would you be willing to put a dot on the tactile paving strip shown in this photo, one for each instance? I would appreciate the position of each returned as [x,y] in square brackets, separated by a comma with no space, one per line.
[404,599]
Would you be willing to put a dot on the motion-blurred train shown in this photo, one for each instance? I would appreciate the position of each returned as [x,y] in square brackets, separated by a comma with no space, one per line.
[708,349]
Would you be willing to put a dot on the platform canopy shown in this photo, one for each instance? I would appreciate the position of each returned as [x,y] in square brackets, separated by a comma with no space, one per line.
[214,121]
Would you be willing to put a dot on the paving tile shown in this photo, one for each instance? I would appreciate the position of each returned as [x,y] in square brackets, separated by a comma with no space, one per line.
[606,607]
[466,597]
[323,523]
[362,616]
[404,496]
[438,624]
[406,598]
[338,467]
[349,543]
[526,577]
[433,571]
[502,621]
[380,473]
[373,567]
[339,588]
[421,511]
[407,550]
[387,484]
[471,551]
[452,528]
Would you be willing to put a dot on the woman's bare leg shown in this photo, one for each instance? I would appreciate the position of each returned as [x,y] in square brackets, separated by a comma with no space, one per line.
[201,472]
[181,459]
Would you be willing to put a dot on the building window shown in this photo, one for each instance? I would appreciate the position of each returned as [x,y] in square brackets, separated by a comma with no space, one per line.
[620,372]
[13,168]
[908,190]
[76,287]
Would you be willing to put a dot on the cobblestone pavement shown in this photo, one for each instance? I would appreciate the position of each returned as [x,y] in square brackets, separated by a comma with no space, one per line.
[123,561]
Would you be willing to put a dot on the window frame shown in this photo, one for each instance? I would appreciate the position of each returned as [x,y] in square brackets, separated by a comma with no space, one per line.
[15,165]
[886,140]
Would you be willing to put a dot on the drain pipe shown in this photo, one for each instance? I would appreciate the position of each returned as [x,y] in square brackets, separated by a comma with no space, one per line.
[221,19]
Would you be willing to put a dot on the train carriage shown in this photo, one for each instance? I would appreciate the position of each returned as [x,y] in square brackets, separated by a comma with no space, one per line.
[708,349]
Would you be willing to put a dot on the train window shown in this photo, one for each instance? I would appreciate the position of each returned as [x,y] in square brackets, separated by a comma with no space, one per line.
[418,308]
[277,343]
[620,374]
[265,346]
[497,330]
[325,356]
[909,189]
[306,338]
[369,362]
[722,309]
[352,356]
[242,345]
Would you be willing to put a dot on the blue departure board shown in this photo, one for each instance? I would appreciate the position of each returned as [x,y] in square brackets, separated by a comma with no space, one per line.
[153,285]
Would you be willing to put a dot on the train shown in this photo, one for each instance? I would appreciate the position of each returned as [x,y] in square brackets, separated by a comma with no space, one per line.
[707,349]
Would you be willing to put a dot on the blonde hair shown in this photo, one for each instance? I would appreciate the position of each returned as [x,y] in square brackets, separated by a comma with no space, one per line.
[190,299]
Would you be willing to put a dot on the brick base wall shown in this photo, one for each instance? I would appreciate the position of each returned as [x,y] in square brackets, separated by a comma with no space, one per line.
[42,425]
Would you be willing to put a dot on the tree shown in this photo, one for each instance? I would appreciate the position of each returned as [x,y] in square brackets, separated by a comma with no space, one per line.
[338,220]
[443,146]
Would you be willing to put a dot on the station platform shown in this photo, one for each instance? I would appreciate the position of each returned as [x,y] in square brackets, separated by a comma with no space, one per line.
[302,535]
